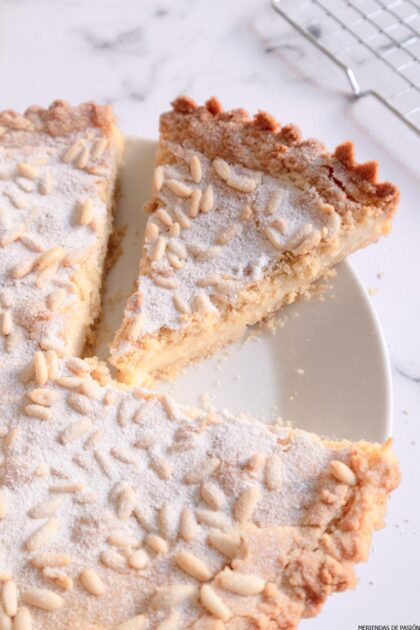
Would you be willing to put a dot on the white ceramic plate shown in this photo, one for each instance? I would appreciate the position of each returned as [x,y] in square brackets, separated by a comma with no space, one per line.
[326,370]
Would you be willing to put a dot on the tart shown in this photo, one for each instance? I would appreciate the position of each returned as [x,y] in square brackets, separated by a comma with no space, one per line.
[119,508]
[122,510]
[245,216]
[58,169]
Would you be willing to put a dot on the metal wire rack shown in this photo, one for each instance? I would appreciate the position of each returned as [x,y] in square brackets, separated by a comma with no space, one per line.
[375,42]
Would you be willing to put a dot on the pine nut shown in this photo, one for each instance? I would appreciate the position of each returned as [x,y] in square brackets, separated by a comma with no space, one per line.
[195,168]
[222,168]
[242,184]
[6,325]
[164,217]
[52,364]
[178,188]
[241,583]
[158,178]
[27,170]
[181,218]
[158,544]
[207,200]
[43,536]
[151,232]
[181,305]
[43,598]
[212,495]
[158,249]
[12,235]
[193,566]
[10,597]
[85,211]
[274,202]
[45,186]
[71,152]
[39,411]
[22,269]
[59,579]
[342,473]
[273,238]
[227,544]
[203,304]
[246,213]
[115,561]
[162,468]
[246,503]
[83,158]
[50,257]
[280,225]
[273,472]
[138,559]
[195,202]
[22,621]
[51,559]
[212,519]
[214,603]
[92,582]
[188,525]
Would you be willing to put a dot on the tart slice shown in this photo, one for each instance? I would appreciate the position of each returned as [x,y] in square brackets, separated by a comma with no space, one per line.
[58,169]
[245,217]
[124,511]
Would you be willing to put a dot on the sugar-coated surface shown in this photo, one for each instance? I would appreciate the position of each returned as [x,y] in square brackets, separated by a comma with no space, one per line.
[241,257]
[50,306]
[134,443]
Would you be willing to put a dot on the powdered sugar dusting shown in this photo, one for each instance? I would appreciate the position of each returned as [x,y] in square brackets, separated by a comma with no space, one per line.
[120,495]
[238,240]
[45,205]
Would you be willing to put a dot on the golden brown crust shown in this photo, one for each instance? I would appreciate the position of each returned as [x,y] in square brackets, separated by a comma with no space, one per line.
[261,142]
[318,560]
[59,119]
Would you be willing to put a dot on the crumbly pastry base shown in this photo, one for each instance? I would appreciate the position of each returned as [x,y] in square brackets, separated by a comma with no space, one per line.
[245,216]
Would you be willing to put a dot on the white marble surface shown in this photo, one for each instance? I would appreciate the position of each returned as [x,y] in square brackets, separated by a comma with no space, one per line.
[138,55]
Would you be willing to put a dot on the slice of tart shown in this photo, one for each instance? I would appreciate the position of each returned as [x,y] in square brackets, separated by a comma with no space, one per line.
[245,217]
[58,169]
[121,510]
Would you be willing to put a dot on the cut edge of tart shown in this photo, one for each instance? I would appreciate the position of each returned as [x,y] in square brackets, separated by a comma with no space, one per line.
[245,216]
[58,177]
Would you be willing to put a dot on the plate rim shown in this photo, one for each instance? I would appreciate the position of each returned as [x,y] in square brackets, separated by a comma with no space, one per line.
[383,351]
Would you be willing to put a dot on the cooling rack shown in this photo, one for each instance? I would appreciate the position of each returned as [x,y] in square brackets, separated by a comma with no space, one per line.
[375,42]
